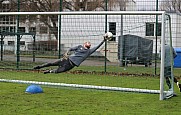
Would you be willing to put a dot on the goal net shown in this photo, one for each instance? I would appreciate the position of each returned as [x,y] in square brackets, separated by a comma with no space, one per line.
[132,61]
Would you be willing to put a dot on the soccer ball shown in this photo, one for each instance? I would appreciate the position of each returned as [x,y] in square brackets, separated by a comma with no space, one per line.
[108,36]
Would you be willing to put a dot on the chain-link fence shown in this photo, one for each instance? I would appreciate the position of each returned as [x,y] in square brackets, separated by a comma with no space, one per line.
[33,37]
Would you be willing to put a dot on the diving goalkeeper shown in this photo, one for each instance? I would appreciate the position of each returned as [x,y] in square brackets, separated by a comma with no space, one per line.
[81,52]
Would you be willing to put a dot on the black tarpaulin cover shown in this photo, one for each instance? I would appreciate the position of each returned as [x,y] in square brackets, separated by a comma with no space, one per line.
[135,49]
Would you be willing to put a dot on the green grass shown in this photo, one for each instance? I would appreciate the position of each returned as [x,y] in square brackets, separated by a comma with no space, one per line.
[72,101]
[86,79]
[56,101]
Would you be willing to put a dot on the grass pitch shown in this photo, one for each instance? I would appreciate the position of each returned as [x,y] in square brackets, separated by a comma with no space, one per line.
[72,101]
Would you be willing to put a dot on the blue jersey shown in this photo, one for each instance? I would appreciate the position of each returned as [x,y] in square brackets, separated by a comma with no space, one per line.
[81,53]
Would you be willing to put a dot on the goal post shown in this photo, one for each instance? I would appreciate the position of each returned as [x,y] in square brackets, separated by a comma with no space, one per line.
[166,40]
[132,46]
[162,59]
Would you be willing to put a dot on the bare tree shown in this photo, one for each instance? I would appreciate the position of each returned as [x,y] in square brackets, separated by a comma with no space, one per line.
[39,6]
[171,5]
[83,5]
[54,5]
[120,4]
[3,2]
[91,5]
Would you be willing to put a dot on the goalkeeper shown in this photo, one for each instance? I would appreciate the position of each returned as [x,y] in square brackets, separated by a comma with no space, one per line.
[168,73]
[81,52]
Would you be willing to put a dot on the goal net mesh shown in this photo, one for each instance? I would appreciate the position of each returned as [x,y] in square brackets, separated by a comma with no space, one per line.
[130,61]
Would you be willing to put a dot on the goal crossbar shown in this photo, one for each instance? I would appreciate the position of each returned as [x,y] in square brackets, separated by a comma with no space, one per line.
[87,13]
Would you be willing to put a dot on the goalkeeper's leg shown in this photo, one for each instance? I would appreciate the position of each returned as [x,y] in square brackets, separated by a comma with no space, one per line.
[56,63]
[65,67]
[59,70]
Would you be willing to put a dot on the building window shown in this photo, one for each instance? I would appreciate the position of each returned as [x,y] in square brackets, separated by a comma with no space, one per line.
[11,43]
[5,6]
[2,42]
[2,29]
[12,19]
[112,29]
[7,29]
[7,20]
[22,29]
[22,42]
[151,28]
[12,29]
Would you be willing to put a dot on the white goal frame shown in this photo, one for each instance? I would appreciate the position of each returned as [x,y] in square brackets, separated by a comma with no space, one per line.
[163,13]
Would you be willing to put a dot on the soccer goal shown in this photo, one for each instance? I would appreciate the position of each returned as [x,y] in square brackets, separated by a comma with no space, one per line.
[129,62]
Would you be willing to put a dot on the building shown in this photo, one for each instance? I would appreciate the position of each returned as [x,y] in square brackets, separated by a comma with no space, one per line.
[77,29]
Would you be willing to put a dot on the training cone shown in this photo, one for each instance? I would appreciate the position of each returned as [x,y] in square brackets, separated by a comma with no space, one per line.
[34,89]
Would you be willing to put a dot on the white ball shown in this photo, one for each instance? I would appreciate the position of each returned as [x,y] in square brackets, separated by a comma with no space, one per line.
[108,36]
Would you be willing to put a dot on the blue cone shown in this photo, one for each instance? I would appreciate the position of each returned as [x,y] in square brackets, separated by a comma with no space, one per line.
[34,89]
